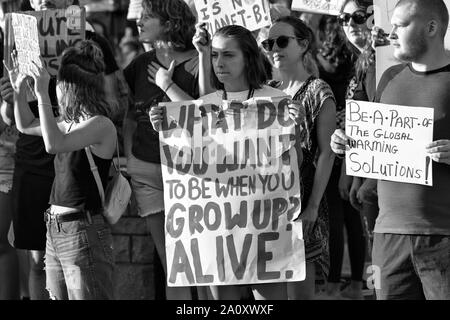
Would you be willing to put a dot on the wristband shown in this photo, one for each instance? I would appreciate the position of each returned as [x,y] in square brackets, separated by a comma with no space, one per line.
[45,104]
[168,87]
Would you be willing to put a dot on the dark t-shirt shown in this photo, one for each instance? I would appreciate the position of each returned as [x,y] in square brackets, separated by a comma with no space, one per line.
[411,208]
[30,150]
[363,89]
[145,94]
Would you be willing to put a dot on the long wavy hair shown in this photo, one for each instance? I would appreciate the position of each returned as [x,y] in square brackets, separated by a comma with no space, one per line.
[180,17]
[82,83]
[302,31]
[367,56]
[254,72]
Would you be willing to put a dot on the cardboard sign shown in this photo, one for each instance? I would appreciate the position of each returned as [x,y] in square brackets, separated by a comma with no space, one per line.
[134,10]
[231,193]
[27,41]
[251,14]
[389,142]
[383,10]
[330,7]
[57,29]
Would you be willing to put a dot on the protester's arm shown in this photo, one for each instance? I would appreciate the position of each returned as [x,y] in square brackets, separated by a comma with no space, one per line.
[129,126]
[7,104]
[353,194]
[326,123]
[26,122]
[202,44]
[345,183]
[162,77]
[56,140]
[367,193]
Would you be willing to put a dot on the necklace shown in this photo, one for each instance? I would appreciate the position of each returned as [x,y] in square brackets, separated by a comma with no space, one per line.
[250,94]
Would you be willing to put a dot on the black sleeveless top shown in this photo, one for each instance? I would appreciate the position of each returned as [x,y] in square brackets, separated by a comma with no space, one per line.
[74,185]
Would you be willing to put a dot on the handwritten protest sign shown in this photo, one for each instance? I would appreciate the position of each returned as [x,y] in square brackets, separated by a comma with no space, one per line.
[57,29]
[27,41]
[231,193]
[389,142]
[330,7]
[252,14]
[383,10]
[134,10]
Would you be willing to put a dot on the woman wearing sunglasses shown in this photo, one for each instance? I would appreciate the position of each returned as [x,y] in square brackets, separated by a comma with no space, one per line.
[355,22]
[289,43]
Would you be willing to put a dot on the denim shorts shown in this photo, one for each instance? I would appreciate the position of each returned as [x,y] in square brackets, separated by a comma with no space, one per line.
[147,185]
[412,267]
[79,260]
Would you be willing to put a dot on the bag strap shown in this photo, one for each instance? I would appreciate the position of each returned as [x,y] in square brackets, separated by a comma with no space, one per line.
[117,168]
[94,170]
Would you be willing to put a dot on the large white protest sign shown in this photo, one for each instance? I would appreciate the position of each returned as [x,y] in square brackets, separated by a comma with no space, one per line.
[252,14]
[389,142]
[383,10]
[57,30]
[231,193]
[330,7]
[27,41]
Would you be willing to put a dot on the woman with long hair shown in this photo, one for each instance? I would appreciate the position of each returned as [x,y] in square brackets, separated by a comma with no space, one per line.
[78,256]
[290,42]
[238,74]
[168,26]
[360,193]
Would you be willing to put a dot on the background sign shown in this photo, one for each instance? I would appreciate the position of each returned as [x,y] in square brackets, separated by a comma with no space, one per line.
[252,14]
[57,30]
[330,7]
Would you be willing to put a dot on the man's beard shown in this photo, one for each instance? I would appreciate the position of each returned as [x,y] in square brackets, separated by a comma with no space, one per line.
[415,50]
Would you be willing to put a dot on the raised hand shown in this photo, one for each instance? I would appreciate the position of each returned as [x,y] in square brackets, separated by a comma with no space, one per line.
[200,40]
[41,78]
[16,79]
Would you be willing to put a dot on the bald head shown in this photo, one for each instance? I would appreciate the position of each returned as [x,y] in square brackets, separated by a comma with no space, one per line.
[428,10]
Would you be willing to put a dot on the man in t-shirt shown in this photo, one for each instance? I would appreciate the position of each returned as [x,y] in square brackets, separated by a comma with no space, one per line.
[34,170]
[412,232]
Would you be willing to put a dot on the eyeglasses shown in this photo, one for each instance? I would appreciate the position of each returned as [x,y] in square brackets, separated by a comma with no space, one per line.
[359,17]
[282,42]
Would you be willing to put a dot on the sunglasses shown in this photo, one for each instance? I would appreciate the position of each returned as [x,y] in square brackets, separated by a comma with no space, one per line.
[282,42]
[359,17]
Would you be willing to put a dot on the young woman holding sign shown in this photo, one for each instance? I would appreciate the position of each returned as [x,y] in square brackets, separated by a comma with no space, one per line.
[238,74]
[289,43]
[78,257]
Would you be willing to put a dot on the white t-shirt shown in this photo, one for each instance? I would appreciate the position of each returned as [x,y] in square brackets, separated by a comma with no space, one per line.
[265,91]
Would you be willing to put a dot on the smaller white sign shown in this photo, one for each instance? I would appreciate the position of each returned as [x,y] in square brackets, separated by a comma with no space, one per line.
[389,142]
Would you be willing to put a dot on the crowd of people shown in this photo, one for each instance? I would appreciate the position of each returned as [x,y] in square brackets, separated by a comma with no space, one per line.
[50,128]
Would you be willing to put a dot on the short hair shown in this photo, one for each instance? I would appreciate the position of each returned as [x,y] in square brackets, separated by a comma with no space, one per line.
[82,80]
[254,67]
[430,9]
[181,18]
